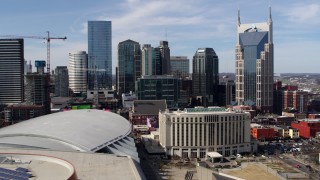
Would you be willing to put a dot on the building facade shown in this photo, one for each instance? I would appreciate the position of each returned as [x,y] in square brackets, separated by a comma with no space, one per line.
[194,132]
[165,57]
[37,90]
[61,81]
[254,65]
[147,60]
[129,66]
[262,132]
[11,71]
[159,88]
[78,70]
[180,66]
[205,76]
[307,127]
[99,54]
[297,100]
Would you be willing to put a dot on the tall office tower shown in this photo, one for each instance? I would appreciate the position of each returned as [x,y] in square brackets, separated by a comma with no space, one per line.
[27,67]
[205,76]
[163,58]
[61,81]
[129,65]
[147,60]
[78,69]
[11,71]
[99,54]
[180,66]
[254,65]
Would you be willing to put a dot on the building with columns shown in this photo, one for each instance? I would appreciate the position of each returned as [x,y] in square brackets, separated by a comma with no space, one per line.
[194,132]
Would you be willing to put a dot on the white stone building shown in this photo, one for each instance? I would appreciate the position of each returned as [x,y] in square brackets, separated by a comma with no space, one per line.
[194,132]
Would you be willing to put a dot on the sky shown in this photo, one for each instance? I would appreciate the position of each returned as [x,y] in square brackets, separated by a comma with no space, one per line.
[186,24]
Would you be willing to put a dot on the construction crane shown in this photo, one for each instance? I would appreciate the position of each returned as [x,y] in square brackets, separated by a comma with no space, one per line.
[47,38]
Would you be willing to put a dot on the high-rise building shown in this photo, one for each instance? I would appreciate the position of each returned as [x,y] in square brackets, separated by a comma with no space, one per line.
[205,76]
[61,81]
[226,91]
[27,67]
[99,54]
[147,60]
[163,58]
[129,66]
[254,64]
[37,90]
[11,71]
[158,88]
[78,69]
[180,66]
[37,87]
[297,100]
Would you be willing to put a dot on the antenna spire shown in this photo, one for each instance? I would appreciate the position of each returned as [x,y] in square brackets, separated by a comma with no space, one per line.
[239,17]
[166,35]
[270,16]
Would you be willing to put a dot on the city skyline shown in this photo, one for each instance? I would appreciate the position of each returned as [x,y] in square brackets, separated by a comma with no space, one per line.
[186,25]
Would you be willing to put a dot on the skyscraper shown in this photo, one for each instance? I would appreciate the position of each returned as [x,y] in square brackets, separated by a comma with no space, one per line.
[254,64]
[61,81]
[11,71]
[163,58]
[180,66]
[129,66]
[147,60]
[99,54]
[78,67]
[205,76]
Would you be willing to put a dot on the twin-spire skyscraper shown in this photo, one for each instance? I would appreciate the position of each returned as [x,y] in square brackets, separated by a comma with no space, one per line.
[254,64]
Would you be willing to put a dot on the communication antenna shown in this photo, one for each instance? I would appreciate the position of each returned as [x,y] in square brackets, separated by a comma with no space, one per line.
[166,35]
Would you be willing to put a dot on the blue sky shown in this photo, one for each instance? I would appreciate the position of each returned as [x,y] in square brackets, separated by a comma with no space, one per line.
[186,24]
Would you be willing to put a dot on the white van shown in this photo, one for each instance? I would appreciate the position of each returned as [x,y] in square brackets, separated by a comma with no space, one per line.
[239,156]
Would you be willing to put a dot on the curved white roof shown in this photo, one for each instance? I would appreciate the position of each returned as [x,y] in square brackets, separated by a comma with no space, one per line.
[81,130]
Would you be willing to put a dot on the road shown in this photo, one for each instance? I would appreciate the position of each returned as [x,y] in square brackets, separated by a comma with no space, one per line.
[290,160]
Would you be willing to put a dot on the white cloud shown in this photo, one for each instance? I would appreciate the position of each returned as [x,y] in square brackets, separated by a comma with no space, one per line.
[303,13]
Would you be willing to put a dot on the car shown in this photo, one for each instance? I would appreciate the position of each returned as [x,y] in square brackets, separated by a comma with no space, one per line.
[296,166]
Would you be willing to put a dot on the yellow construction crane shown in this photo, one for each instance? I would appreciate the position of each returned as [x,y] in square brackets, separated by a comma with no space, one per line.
[47,38]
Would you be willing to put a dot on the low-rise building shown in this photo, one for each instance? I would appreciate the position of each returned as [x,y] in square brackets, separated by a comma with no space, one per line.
[262,132]
[307,127]
[143,110]
[194,132]
[293,133]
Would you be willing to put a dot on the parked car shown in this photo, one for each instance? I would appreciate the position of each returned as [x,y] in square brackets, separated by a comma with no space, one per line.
[296,166]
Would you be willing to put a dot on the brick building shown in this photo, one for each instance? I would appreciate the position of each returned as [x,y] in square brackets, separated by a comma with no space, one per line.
[307,127]
[262,132]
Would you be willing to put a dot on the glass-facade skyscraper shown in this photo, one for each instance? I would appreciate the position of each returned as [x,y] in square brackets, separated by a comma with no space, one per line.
[205,76]
[254,65]
[11,71]
[99,54]
[129,66]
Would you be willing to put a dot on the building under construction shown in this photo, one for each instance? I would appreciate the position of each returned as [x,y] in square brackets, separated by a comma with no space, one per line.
[37,90]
